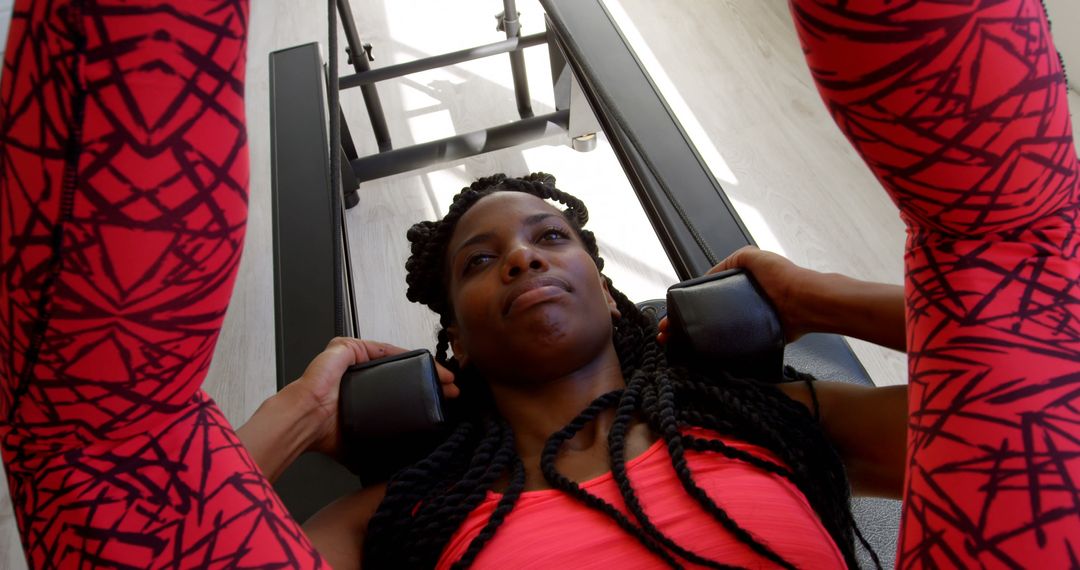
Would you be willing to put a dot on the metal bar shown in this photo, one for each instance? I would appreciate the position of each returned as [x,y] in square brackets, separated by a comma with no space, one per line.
[443,60]
[304,287]
[302,218]
[336,199]
[683,200]
[348,178]
[350,185]
[431,153]
[360,65]
[347,143]
[517,60]
[352,318]
[356,47]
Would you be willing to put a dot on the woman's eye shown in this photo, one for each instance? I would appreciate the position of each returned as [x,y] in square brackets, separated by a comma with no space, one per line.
[476,260]
[553,234]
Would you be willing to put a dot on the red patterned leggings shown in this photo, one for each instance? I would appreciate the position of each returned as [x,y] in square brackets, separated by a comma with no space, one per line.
[123,189]
[123,200]
[960,109]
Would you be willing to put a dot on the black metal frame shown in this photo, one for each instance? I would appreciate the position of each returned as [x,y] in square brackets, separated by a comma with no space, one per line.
[457,147]
[389,161]
[309,243]
[300,190]
[359,57]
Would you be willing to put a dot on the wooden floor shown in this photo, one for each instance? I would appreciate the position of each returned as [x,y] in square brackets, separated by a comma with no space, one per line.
[734,74]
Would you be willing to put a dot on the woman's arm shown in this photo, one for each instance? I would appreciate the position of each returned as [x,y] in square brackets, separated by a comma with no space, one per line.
[868,427]
[808,301]
[303,415]
[285,426]
[834,303]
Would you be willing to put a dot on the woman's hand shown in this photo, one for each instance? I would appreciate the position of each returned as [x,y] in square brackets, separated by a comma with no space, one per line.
[807,301]
[321,383]
[303,415]
[779,278]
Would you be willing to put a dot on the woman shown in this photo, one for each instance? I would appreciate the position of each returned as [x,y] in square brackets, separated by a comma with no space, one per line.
[562,380]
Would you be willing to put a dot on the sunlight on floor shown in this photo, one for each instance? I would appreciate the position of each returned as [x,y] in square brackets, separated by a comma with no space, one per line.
[675,101]
[479,94]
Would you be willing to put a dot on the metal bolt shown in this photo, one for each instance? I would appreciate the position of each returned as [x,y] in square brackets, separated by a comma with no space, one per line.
[584,143]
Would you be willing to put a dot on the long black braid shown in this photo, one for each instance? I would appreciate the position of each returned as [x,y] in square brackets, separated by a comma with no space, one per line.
[427,502]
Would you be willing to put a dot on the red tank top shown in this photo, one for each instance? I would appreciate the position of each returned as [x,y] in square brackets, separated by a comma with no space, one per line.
[549,529]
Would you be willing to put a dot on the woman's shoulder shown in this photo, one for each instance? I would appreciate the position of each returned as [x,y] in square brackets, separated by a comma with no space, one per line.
[338,530]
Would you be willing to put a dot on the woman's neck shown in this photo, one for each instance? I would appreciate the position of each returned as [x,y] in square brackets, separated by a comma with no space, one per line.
[540,409]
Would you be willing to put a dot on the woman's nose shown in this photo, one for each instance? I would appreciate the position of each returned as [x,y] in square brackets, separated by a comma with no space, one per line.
[521,260]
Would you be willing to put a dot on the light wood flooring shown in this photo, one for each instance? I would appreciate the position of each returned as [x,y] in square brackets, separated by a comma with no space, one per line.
[734,74]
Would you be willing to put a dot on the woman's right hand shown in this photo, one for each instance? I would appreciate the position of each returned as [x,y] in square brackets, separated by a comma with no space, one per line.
[321,383]
[779,278]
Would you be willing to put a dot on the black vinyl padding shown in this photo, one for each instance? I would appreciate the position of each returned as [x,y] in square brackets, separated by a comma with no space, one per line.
[391,414]
[724,322]
[381,398]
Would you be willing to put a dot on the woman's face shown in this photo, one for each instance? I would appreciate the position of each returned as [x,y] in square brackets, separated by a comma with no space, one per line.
[529,302]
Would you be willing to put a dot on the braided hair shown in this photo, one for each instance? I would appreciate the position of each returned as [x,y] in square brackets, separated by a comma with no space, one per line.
[426,503]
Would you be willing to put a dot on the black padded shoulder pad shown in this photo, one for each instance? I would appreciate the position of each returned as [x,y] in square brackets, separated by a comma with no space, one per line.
[724,322]
[390,410]
[392,396]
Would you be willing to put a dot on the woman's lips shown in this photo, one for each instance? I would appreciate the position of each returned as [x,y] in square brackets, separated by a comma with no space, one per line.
[529,293]
[534,297]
